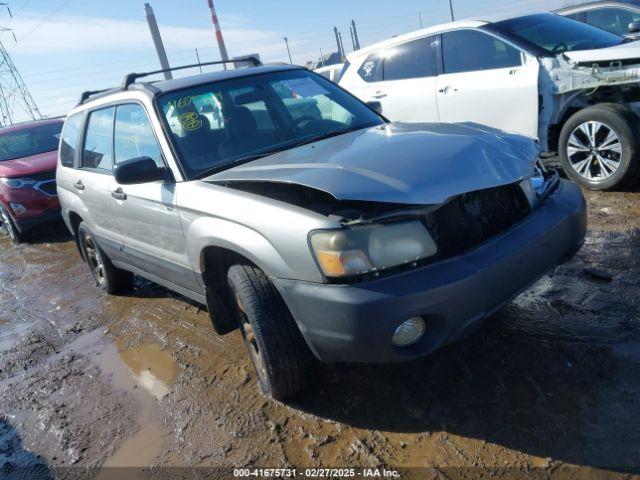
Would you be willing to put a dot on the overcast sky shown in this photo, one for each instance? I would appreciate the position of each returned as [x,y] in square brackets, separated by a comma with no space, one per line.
[67,46]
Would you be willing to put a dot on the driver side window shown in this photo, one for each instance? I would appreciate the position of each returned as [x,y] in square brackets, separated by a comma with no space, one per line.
[471,51]
[134,136]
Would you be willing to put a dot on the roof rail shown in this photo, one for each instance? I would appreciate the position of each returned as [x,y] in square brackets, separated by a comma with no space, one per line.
[90,93]
[132,77]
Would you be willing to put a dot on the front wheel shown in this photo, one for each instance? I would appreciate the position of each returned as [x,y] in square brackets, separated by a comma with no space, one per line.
[7,225]
[277,350]
[599,147]
[109,278]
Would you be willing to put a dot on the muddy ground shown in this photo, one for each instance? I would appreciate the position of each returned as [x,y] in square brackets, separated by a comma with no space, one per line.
[551,381]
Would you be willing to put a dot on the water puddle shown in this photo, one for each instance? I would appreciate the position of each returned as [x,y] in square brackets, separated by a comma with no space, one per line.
[153,368]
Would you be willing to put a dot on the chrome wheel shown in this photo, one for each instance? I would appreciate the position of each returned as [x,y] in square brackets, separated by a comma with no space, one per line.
[594,151]
[7,226]
[249,336]
[94,259]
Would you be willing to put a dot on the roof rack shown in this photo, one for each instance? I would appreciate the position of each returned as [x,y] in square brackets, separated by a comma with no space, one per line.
[132,77]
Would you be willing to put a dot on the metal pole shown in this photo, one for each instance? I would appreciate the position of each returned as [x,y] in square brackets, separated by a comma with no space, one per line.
[341,45]
[216,25]
[355,35]
[340,52]
[451,10]
[420,17]
[157,40]
[198,57]
[353,39]
[322,58]
[286,41]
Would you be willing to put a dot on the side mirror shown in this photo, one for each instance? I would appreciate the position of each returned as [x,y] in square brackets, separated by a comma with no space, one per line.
[375,106]
[138,170]
[634,27]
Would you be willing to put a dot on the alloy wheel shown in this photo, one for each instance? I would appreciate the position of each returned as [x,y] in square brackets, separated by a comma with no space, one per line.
[594,151]
[94,259]
[7,226]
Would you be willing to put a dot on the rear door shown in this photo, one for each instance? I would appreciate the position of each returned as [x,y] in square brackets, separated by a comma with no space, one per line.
[147,215]
[403,79]
[488,81]
[93,180]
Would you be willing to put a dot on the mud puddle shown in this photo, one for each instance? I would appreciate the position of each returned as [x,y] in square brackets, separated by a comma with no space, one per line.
[551,381]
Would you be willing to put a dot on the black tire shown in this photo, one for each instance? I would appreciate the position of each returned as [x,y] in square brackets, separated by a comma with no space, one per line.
[9,227]
[583,165]
[109,278]
[277,350]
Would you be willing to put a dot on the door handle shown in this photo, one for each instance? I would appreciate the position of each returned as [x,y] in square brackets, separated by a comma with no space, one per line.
[379,94]
[447,90]
[79,185]
[119,194]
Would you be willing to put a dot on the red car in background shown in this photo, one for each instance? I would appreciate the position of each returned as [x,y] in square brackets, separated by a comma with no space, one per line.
[28,158]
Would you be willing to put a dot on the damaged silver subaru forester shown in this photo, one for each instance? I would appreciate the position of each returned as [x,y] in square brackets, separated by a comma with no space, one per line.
[299,215]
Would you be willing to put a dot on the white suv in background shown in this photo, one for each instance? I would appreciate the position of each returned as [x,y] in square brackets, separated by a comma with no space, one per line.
[571,85]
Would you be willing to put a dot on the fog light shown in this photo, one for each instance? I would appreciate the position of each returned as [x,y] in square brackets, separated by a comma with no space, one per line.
[18,208]
[409,332]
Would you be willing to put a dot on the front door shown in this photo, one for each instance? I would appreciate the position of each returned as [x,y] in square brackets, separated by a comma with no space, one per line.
[488,81]
[147,215]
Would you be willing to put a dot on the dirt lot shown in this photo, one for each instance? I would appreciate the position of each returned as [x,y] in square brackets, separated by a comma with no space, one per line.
[552,381]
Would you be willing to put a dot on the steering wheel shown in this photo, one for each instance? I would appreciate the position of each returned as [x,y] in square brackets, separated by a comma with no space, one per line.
[558,47]
[299,123]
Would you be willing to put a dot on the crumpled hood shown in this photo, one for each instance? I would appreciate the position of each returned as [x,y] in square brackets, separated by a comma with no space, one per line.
[408,163]
[624,51]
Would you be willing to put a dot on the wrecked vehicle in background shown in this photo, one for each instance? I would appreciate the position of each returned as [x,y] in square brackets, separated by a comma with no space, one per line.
[571,85]
[320,232]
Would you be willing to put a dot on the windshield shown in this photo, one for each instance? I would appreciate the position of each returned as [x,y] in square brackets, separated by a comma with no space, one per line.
[217,125]
[30,141]
[557,34]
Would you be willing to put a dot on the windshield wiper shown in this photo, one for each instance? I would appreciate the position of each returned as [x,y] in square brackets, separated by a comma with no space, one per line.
[256,156]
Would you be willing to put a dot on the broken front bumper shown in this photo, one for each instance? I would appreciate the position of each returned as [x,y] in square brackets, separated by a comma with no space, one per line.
[355,323]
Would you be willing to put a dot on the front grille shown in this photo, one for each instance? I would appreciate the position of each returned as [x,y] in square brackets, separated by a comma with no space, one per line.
[471,219]
[48,187]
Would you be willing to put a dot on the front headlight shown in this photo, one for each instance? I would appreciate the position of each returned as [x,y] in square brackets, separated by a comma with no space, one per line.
[359,250]
[534,186]
[17,182]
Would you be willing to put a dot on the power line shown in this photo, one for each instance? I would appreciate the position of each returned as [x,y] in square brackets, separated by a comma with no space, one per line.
[49,17]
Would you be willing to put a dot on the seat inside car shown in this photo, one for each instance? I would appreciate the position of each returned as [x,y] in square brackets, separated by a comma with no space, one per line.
[243,134]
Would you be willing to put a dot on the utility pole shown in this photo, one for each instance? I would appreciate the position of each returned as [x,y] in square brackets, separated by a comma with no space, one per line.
[355,35]
[341,45]
[14,92]
[286,41]
[420,18]
[322,58]
[157,40]
[340,51]
[198,58]
[451,10]
[216,25]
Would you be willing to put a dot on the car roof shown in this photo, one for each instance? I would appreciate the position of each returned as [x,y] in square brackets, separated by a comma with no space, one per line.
[194,80]
[16,127]
[475,22]
[599,3]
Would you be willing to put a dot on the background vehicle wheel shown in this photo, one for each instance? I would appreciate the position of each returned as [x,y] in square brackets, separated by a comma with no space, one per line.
[599,147]
[276,347]
[109,278]
[8,227]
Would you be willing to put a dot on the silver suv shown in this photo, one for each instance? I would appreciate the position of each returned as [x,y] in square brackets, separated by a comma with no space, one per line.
[299,215]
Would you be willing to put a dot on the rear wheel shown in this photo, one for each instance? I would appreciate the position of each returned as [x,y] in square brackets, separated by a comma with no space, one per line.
[599,147]
[109,278]
[8,227]
[277,350]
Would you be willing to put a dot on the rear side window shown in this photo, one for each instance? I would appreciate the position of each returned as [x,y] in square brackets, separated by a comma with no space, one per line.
[471,51]
[134,136]
[69,141]
[97,153]
[371,69]
[415,59]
